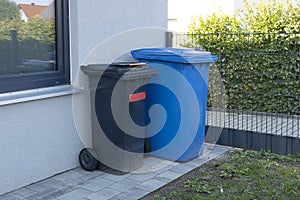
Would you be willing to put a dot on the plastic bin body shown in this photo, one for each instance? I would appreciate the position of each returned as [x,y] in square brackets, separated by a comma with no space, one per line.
[116,148]
[171,142]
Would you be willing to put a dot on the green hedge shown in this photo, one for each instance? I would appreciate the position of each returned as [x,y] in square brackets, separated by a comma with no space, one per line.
[33,40]
[257,79]
[11,58]
[259,52]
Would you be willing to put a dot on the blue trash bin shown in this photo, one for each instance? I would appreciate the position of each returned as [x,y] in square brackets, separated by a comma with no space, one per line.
[176,128]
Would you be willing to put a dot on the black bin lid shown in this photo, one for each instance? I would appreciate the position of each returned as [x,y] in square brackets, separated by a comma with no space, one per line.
[126,70]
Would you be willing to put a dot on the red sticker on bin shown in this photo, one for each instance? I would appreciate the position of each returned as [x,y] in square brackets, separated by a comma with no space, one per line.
[137,97]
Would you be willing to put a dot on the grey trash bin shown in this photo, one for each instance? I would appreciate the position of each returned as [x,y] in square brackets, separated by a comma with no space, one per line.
[118,93]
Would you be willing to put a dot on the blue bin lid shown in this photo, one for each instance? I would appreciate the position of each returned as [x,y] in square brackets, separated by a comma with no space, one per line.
[179,55]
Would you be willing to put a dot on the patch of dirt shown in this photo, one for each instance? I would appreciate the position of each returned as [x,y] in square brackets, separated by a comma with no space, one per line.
[178,184]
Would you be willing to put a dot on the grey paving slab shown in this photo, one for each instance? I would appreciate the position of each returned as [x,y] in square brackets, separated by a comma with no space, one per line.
[143,176]
[46,185]
[125,185]
[98,184]
[84,172]
[23,193]
[212,156]
[132,194]
[152,160]
[151,185]
[169,163]
[75,194]
[72,174]
[79,184]
[115,178]
[152,164]
[47,194]
[75,182]
[219,150]
[165,168]
[11,197]
[105,193]
[37,187]
[208,147]
[168,176]
[199,161]
[182,168]
[91,175]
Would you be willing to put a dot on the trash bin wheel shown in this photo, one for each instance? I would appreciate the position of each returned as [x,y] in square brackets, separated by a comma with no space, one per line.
[88,159]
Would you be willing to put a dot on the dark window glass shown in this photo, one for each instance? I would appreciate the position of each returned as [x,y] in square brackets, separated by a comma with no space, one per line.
[34,49]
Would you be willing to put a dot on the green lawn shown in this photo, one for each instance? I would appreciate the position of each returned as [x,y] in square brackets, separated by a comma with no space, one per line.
[240,175]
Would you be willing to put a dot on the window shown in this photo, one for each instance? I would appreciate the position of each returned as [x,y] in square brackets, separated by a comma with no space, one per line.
[34,44]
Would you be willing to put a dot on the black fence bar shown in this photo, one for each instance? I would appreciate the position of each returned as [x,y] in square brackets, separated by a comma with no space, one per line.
[254,89]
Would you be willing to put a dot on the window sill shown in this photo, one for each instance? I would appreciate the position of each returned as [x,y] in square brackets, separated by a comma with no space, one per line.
[38,94]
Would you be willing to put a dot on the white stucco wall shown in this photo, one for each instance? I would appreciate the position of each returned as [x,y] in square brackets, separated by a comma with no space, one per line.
[39,138]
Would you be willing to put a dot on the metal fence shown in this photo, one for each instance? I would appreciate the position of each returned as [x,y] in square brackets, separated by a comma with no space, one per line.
[254,88]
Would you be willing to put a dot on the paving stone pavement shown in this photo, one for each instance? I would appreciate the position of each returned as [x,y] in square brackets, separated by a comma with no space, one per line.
[78,184]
